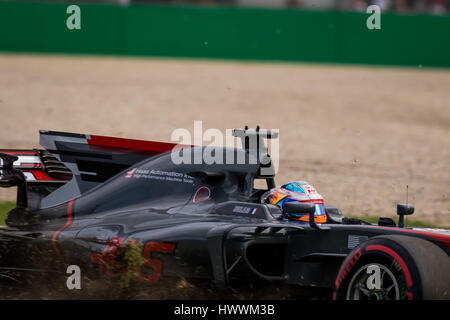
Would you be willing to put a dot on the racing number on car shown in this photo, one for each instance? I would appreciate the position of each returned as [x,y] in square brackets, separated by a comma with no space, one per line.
[107,263]
[106,260]
[155,263]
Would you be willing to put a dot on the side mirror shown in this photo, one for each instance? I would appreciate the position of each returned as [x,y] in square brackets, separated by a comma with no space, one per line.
[298,207]
[402,211]
[405,209]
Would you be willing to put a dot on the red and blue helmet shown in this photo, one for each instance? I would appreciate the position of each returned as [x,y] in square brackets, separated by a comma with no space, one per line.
[300,191]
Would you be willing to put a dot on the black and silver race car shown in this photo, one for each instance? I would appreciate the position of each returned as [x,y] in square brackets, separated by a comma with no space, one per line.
[84,200]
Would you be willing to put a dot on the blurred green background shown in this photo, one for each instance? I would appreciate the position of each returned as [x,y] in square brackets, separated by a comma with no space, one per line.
[228,32]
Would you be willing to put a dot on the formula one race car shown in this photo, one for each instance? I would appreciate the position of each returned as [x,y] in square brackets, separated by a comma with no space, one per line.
[84,200]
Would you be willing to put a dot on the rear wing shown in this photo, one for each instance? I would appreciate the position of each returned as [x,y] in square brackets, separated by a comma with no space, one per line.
[36,173]
[38,166]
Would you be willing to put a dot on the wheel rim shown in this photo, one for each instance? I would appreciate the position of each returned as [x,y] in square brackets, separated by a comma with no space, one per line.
[373,282]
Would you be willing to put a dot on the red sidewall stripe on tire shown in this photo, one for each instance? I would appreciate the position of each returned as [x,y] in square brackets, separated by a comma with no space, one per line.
[401,262]
[348,266]
[68,222]
[374,247]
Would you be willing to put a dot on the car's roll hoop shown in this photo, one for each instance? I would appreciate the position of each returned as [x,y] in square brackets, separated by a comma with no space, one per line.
[253,141]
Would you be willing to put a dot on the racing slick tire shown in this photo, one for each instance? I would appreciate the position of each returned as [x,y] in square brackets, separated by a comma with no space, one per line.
[394,267]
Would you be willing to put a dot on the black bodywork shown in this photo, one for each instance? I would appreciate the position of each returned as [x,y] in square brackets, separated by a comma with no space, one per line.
[193,221]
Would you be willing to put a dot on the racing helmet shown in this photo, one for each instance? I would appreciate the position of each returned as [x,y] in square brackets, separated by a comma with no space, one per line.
[300,191]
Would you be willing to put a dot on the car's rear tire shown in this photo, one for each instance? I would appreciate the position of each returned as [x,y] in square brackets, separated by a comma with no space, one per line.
[394,267]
